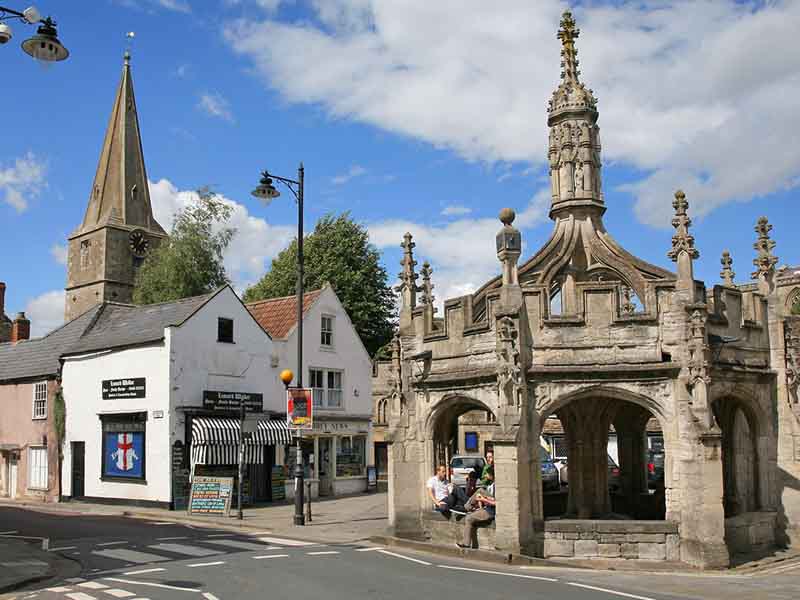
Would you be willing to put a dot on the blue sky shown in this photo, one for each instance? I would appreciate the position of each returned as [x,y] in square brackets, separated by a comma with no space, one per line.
[430,118]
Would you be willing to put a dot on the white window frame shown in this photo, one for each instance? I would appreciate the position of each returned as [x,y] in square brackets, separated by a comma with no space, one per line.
[322,395]
[39,405]
[40,480]
[330,332]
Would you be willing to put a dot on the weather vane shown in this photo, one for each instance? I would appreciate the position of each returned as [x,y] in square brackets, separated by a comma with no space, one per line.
[129,35]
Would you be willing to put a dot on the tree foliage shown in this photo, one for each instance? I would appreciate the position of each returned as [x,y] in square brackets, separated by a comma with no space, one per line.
[189,263]
[338,252]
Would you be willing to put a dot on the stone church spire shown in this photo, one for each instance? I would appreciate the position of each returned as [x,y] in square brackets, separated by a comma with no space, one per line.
[574,146]
[120,193]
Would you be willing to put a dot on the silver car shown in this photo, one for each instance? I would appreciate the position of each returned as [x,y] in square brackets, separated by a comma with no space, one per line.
[462,465]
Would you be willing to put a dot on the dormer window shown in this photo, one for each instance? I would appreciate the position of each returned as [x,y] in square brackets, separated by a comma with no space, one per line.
[327,331]
[225,330]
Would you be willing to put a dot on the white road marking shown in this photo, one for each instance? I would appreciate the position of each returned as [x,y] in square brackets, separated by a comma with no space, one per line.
[8,532]
[487,572]
[241,545]
[214,535]
[59,589]
[271,556]
[177,537]
[24,563]
[75,579]
[92,585]
[208,564]
[80,596]
[120,593]
[416,560]
[607,591]
[260,533]
[209,596]
[113,543]
[61,548]
[152,584]
[164,523]
[285,542]
[185,549]
[143,571]
[133,556]
[322,553]
[369,549]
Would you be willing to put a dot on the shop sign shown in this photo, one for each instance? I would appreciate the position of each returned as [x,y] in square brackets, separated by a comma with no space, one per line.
[299,408]
[211,495]
[233,400]
[114,389]
[341,427]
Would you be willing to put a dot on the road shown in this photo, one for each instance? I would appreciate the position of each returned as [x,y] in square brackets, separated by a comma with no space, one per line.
[141,559]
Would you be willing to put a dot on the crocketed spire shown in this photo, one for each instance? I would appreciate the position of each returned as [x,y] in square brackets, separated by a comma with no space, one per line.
[427,286]
[682,241]
[571,94]
[765,261]
[408,277]
[727,273]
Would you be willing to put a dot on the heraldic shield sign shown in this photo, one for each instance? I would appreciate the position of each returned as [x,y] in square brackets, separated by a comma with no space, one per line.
[124,452]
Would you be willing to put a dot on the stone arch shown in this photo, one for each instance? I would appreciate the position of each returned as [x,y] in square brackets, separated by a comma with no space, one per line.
[382,411]
[793,302]
[441,424]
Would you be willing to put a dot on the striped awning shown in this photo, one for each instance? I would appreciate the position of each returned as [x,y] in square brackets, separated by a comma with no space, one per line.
[215,441]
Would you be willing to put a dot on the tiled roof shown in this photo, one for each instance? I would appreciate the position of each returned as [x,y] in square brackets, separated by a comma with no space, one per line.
[39,357]
[120,325]
[279,315]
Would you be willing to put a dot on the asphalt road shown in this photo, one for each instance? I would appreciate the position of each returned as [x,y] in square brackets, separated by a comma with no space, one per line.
[140,559]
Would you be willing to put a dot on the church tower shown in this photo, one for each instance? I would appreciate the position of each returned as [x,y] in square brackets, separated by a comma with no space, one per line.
[118,229]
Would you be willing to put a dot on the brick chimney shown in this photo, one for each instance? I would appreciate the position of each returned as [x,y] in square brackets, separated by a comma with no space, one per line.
[21,328]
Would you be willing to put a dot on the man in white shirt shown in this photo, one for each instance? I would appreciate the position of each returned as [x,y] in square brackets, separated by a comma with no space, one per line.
[445,497]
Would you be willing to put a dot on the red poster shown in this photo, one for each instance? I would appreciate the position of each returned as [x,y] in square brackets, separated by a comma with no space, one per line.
[299,408]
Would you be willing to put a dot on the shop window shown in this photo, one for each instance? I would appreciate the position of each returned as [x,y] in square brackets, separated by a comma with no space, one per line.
[124,448]
[326,334]
[471,441]
[225,330]
[351,456]
[307,448]
[40,400]
[37,468]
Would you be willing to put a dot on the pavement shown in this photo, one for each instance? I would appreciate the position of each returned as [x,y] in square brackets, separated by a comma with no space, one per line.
[149,557]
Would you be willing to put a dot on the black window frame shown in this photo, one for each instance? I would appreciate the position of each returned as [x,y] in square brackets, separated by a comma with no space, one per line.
[221,333]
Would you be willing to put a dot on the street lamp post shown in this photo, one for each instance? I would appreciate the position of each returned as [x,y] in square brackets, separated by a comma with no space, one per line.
[266,192]
[45,45]
[239,514]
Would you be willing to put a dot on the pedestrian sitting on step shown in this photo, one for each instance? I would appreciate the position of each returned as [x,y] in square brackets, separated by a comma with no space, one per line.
[446,497]
[484,513]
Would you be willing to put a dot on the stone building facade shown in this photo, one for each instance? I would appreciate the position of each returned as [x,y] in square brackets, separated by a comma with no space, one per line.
[118,229]
[587,332]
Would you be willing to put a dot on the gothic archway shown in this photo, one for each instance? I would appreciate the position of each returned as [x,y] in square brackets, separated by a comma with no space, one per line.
[445,428]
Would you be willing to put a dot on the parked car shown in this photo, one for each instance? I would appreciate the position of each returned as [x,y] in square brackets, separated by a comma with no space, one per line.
[613,473]
[549,471]
[462,465]
[655,468]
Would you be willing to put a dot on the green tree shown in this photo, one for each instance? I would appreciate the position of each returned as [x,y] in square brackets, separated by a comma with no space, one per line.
[189,262]
[338,252]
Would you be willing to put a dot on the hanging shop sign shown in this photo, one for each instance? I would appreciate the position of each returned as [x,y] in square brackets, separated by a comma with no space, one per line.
[115,389]
[233,400]
[299,408]
[211,495]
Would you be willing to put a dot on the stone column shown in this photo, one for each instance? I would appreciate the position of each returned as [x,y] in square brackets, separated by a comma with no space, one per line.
[406,487]
[630,425]
[515,482]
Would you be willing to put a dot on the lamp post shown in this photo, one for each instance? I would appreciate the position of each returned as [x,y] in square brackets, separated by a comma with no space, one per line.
[45,45]
[266,192]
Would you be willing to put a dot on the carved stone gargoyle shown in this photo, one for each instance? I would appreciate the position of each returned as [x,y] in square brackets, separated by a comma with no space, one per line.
[509,369]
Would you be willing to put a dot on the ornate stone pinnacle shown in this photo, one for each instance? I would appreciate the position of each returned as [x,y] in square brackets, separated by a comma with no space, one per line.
[427,287]
[408,277]
[727,273]
[765,261]
[568,34]
[682,241]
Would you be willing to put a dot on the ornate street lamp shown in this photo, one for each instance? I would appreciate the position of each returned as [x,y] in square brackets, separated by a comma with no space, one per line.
[45,45]
[266,192]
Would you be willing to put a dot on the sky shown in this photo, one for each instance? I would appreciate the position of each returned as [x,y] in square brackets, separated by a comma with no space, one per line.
[413,115]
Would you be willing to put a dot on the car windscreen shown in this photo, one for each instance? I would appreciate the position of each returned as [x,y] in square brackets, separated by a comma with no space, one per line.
[544,455]
[467,463]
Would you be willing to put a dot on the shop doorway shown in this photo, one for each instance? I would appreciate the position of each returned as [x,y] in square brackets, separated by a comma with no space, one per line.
[325,470]
[382,463]
[12,475]
[78,469]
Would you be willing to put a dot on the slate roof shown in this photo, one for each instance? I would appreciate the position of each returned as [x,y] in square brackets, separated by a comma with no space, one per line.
[38,357]
[278,316]
[121,325]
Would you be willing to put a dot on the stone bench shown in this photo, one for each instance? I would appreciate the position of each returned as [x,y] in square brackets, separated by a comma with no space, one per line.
[750,532]
[643,540]
[439,529]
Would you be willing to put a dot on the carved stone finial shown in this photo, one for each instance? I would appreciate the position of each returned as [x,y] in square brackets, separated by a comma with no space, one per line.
[408,277]
[765,261]
[569,54]
[427,287]
[727,273]
[682,241]
[507,216]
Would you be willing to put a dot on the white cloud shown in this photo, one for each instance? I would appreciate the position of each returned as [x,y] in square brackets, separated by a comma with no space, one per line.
[215,105]
[698,95]
[256,241]
[176,5]
[353,172]
[456,210]
[46,312]
[181,71]
[59,253]
[22,182]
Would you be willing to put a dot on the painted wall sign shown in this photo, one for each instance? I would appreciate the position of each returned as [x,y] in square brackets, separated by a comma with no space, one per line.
[124,454]
[211,495]
[299,408]
[114,389]
[232,400]
[341,427]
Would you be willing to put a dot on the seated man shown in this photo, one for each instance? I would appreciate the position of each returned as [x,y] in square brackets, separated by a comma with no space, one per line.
[446,498]
[487,468]
[484,514]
